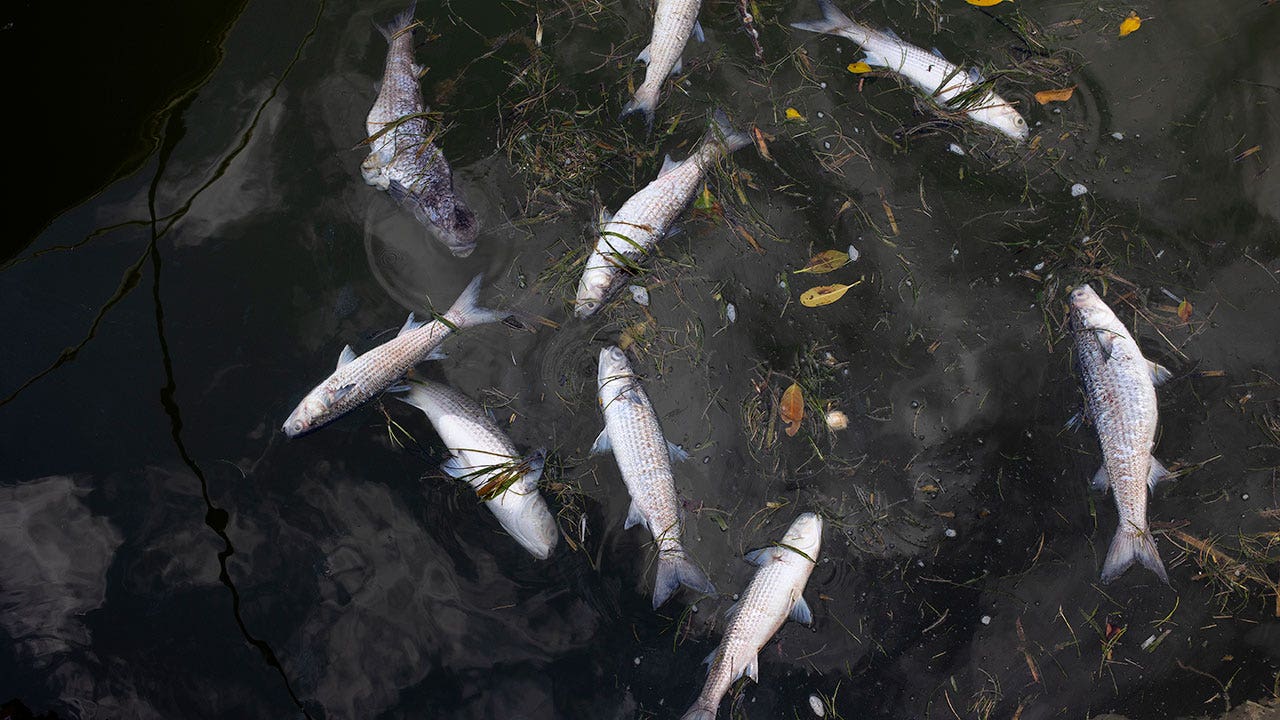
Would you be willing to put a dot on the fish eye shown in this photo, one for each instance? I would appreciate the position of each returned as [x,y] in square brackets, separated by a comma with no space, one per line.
[1020,121]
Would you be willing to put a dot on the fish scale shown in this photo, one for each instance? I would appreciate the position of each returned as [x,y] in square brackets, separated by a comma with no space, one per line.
[775,592]
[1120,399]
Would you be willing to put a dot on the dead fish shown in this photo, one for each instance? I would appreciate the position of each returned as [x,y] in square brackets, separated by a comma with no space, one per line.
[1120,400]
[644,456]
[402,160]
[944,83]
[484,457]
[357,379]
[646,217]
[673,22]
[776,593]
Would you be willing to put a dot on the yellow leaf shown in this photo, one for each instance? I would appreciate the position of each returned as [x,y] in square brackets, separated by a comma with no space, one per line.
[825,262]
[1184,311]
[1131,23]
[792,409]
[824,294]
[1047,96]
[859,68]
[985,3]
[793,114]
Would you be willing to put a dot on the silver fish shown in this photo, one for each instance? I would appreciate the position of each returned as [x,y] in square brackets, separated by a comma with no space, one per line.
[359,378]
[673,22]
[945,83]
[1120,400]
[776,593]
[484,457]
[402,160]
[644,456]
[646,216]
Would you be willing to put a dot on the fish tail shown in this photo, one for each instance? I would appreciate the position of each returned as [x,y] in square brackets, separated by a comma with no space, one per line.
[645,101]
[1130,546]
[833,20]
[676,569]
[699,711]
[467,311]
[724,134]
[399,23]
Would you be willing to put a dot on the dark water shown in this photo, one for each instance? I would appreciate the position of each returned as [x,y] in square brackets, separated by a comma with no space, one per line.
[166,553]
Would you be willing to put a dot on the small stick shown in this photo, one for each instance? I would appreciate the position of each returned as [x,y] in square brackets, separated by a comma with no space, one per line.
[749,23]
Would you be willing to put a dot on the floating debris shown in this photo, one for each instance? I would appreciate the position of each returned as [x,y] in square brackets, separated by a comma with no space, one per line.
[640,294]
[815,704]
[837,420]
[955,149]
[854,254]
[1117,135]
[731,312]
[1077,190]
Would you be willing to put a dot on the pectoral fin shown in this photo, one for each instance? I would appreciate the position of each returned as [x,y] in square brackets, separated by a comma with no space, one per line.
[1101,480]
[800,612]
[643,56]
[634,517]
[677,453]
[341,392]
[697,32]
[602,443]
[678,67]
[1159,373]
[454,468]
[759,557]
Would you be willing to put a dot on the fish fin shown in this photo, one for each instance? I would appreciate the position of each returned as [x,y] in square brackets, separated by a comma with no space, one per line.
[1075,421]
[1159,373]
[466,310]
[1128,547]
[1101,480]
[890,32]
[677,453]
[342,392]
[975,75]
[605,217]
[454,468]
[398,24]
[644,102]
[346,356]
[1157,473]
[800,612]
[697,32]
[643,56]
[399,388]
[751,670]
[674,570]
[831,23]
[634,517]
[699,711]
[1106,340]
[436,354]
[678,67]
[668,165]
[725,134]
[711,656]
[728,614]
[409,325]
[938,54]
[602,444]
[672,231]
[759,557]
[875,60]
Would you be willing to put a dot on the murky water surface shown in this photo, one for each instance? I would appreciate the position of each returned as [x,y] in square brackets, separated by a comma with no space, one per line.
[167,553]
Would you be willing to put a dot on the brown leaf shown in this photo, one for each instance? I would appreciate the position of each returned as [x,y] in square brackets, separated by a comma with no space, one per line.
[792,409]
[825,262]
[1184,311]
[824,294]
[1047,96]
[761,145]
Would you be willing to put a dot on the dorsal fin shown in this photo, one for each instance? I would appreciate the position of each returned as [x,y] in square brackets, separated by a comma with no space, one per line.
[410,324]
[667,165]
[346,356]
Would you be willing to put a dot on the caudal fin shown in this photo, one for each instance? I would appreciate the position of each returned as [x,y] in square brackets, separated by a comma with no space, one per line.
[676,569]
[723,133]
[1130,546]
[832,20]
[399,23]
[699,712]
[467,311]
[644,102]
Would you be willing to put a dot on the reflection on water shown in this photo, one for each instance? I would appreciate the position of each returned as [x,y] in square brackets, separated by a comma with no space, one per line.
[959,575]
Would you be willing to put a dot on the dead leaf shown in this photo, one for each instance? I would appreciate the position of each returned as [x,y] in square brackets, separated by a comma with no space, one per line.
[761,145]
[824,294]
[1184,311]
[793,114]
[825,262]
[792,409]
[1247,153]
[1047,96]
[985,3]
[1131,23]
[858,68]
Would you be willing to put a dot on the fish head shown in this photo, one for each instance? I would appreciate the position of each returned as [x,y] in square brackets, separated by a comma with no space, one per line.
[1087,309]
[805,535]
[536,530]
[592,288]
[458,230]
[315,410]
[613,373]
[1001,116]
